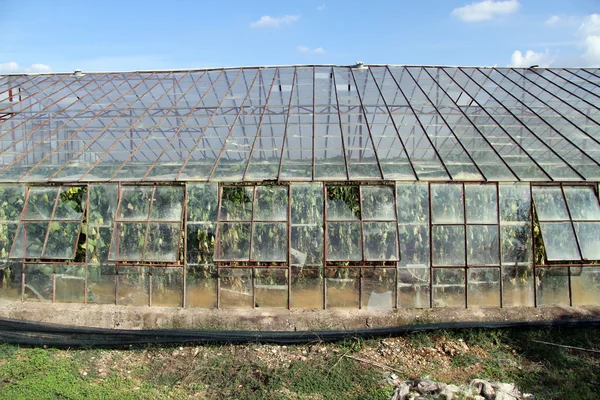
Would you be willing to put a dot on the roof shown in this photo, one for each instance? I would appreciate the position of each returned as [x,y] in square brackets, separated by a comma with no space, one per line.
[302,123]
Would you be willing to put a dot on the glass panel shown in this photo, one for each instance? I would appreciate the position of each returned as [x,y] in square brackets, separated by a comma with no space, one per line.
[201,286]
[583,203]
[133,286]
[128,241]
[516,244]
[163,242]
[235,287]
[448,245]
[103,204]
[482,245]
[69,285]
[413,286]
[483,287]
[167,204]
[342,287]
[344,242]
[236,203]
[167,286]
[585,286]
[271,203]
[447,204]
[449,287]
[40,203]
[377,287]
[307,245]
[12,198]
[70,204]
[101,284]
[10,281]
[38,282]
[271,288]
[62,240]
[234,241]
[29,240]
[343,203]
[135,202]
[7,235]
[378,203]
[269,242]
[98,244]
[307,203]
[559,241]
[200,243]
[307,287]
[202,202]
[413,202]
[414,245]
[482,203]
[380,241]
[588,236]
[515,202]
[517,286]
[552,286]
[550,204]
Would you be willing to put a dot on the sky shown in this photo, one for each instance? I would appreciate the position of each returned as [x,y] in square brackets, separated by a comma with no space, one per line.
[126,35]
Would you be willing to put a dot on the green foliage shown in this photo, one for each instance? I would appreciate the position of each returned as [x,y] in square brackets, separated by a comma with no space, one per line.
[202,202]
[12,198]
[343,202]
[236,203]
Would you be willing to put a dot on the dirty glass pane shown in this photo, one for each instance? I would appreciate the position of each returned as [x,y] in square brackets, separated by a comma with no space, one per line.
[200,243]
[10,280]
[103,204]
[585,286]
[377,203]
[583,203]
[559,241]
[515,202]
[133,286]
[202,202]
[235,287]
[482,204]
[482,245]
[271,287]
[101,284]
[307,287]
[38,282]
[448,245]
[343,203]
[269,242]
[271,203]
[167,286]
[12,198]
[236,203]
[70,204]
[7,234]
[342,287]
[550,204]
[62,240]
[135,202]
[163,242]
[413,286]
[483,287]
[69,283]
[128,241]
[307,203]
[516,244]
[378,289]
[307,245]
[412,202]
[517,285]
[234,241]
[167,204]
[29,240]
[98,244]
[414,245]
[449,287]
[380,241]
[344,242]
[201,286]
[40,203]
[552,286]
[447,204]
[588,236]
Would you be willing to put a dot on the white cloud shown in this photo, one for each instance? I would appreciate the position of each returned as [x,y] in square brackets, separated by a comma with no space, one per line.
[12,67]
[267,21]
[306,49]
[38,68]
[485,10]
[9,67]
[320,50]
[520,60]
[553,20]
[303,49]
[589,30]
[321,7]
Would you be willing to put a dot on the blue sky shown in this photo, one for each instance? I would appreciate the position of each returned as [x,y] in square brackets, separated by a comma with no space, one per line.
[110,35]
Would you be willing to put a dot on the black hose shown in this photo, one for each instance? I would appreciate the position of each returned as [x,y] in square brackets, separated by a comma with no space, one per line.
[42,334]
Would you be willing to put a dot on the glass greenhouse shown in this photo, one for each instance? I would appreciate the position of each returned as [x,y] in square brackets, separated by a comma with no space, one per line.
[374,187]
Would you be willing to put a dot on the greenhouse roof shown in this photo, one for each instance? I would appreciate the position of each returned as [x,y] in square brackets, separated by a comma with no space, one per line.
[302,123]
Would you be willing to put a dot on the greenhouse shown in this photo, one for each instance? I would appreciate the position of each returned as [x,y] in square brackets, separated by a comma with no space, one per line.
[369,187]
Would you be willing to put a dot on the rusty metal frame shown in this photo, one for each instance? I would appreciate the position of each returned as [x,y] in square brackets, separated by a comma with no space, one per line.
[17,83]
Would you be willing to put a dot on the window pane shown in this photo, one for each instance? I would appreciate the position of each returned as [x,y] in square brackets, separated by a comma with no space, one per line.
[101,284]
[517,285]
[167,286]
[307,287]
[307,203]
[202,202]
[447,204]
[7,235]
[234,241]
[344,241]
[552,286]
[235,287]
[414,245]
[167,204]
[269,242]
[381,241]
[135,202]
[550,204]
[378,203]
[62,240]
[448,245]
[103,204]
[29,240]
[559,241]
[343,203]
[342,287]
[585,286]
[588,236]
[482,203]
[236,203]
[12,198]
[201,286]
[38,282]
[128,241]
[413,202]
[516,244]
[40,203]
[307,245]
[10,276]
[133,286]
[413,286]
[583,203]
[271,203]
[70,204]
[271,287]
[482,245]
[483,286]
[163,242]
[200,243]
[69,283]
[449,287]
[377,285]
[515,202]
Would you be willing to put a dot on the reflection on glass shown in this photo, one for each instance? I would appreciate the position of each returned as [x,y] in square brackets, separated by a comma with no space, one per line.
[271,287]
[412,202]
[552,286]
[342,287]
[483,287]
[69,207]
[40,203]
[38,282]
[234,241]
[413,286]
[69,283]
[201,286]
[202,202]
[482,245]
[377,285]
[343,203]
[448,287]
[235,287]
[135,202]
[378,203]
[101,284]
[559,241]
[380,241]
[307,287]
[307,245]
[447,203]
[448,245]
[236,203]
[271,203]
[167,204]
[200,243]
[517,285]
[29,240]
[516,244]
[515,202]
[132,289]
[344,241]
[102,204]
[482,204]
[307,203]
[269,242]
[585,286]
[10,280]
[128,241]
[167,286]
[62,240]
[583,203]
[588,235]
[550,204]
[162,243]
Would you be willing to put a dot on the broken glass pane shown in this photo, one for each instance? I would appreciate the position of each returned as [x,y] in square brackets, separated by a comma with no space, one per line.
[202,202]
[38,282]
[378,203]
[236,203]
[343,203]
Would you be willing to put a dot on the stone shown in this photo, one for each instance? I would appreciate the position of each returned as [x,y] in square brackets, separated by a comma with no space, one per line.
[427,386]
[401,392]
[484,388]
[448,392]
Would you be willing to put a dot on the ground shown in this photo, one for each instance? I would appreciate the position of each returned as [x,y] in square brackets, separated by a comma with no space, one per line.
[313,371]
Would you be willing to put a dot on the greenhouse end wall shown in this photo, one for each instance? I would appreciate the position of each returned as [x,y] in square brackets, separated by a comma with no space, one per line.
[361,245]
